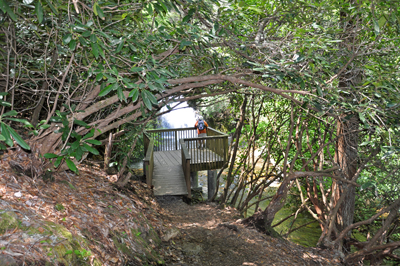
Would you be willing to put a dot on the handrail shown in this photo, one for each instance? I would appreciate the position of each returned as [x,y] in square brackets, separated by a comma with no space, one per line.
[214,132]
[149,159]
[186,166]
[169,129]
[213,156]
[168,139]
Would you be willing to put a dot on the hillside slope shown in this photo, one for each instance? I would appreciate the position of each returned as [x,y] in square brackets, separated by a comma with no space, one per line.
[84,220]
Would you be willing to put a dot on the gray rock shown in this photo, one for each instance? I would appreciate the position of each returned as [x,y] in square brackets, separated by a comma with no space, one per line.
[192,249]
[6,260]
[170,234]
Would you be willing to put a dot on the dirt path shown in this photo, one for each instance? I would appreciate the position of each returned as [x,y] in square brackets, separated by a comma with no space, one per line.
[203,234]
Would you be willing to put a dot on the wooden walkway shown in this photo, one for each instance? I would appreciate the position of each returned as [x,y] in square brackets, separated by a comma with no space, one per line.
[168,176]
[166,171]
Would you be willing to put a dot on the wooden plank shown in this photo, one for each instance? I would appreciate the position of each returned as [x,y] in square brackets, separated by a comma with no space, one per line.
[169,181]
[163,158]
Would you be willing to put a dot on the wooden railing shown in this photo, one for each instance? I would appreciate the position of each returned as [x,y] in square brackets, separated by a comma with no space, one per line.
[148,161]
[202,159]
[213,156]
[186,166]
[168,139]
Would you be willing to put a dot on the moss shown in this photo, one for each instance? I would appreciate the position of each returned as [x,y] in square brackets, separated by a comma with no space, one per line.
[59,207]
[8,220]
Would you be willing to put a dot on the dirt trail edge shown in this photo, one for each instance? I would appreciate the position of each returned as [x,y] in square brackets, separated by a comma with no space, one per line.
[203,234]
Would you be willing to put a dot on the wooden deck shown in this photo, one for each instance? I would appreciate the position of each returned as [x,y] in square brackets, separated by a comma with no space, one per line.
[168,176]
[172,154]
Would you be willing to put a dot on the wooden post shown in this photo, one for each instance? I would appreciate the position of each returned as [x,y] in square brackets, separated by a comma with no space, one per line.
[176,140]
[146,170]
[187,174]
[194,179]
[211,183]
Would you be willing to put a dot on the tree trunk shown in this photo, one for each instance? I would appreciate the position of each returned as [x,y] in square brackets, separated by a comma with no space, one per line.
[229,178]
[263,220]
[346,158]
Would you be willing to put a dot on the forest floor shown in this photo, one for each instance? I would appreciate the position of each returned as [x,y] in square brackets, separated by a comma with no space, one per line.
[205,234]
[84,219]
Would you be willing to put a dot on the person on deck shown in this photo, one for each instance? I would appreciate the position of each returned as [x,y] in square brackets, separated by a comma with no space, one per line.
[201,126]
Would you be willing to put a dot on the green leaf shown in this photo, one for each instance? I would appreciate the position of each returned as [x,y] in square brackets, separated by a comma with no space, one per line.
[362,117]
[376,27]
[83,41]
[93,38]
[146,100]
[137,69]
[71,165]
[6,135]
[99,76]
[189,15]
[120,46]
[93,141]
[91,149]
[10,113]
[95,9]
[52,7]
[44,126]
[67,38]
[151,97]
[101,52]
[185,43]
[72,45]
[56,119]
[58,161]
[99,12]
[121,95]
[86,33]
[81,123]
[368,185]
[107,89]
[75,145]
[78,154]
[23,121]
[134,94]
[114,71]
[50,155]
[18,139]
[95,50]
[319,91]
[89,135]
[39,11]
[3,103]
[6,9]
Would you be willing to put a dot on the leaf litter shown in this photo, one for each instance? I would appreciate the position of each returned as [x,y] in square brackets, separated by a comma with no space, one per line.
[86,220]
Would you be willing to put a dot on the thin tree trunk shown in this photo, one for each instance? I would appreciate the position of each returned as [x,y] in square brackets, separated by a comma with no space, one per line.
[346,158]
[229,179]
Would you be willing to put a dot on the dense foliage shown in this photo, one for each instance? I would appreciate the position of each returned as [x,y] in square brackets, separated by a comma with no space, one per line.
[312,88]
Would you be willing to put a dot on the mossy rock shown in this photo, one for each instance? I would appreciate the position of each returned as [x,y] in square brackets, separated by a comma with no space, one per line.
[141,248]
[8,221]
[58,243]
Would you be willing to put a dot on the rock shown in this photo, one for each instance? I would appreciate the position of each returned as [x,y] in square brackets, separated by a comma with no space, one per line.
[6,260]
[192,249]
[170,234]
[229,226]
